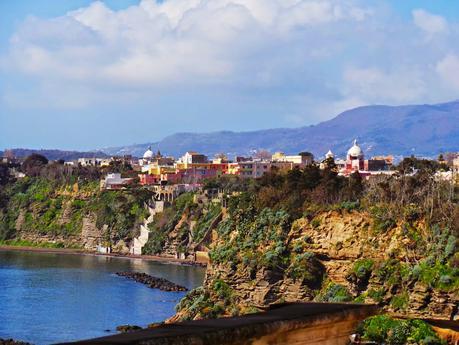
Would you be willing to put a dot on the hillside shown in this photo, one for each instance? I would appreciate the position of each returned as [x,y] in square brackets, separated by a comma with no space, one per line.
[399,130]
[56,154]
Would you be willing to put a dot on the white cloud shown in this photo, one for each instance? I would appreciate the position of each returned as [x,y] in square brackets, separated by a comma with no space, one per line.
[448,69]
[316,57]
[169,42]
[375,85]
[430,23]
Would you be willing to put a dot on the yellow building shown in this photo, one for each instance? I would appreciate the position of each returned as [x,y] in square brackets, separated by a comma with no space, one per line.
[158,169]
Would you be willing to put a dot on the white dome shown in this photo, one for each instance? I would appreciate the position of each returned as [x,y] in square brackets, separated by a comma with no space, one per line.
[355,150]
[329,154]
[148,154]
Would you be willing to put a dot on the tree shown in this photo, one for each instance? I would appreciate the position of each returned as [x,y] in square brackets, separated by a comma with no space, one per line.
[354,188]
[221,156]
[307,154]
[263,154]
[4,174]
[33,164]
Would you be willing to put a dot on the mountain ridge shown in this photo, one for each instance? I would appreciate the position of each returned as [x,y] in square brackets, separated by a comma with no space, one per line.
[426,129]
[55,154]
[422,130]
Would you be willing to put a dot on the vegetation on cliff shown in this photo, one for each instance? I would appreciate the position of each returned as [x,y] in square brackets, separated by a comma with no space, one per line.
[387,330]
[313,235]
[51,209]
[182,225]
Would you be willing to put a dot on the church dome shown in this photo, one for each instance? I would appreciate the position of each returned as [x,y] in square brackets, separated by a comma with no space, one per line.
[329,154]
[148,154]
[355,150]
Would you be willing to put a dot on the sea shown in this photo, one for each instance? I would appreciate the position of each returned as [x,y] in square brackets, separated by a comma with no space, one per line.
[48,298]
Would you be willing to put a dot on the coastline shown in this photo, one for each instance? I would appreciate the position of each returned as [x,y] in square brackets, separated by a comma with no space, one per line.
[72,251]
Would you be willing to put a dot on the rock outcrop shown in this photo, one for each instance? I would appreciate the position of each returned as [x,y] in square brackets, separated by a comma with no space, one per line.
[368,266]
[152,282]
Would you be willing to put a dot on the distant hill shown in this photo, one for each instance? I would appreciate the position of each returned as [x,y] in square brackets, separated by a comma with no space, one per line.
[424,130]
[58,154]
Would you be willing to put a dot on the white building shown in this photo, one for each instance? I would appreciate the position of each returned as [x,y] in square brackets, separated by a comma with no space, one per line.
[86,162]
[301,160]
[114,181]
[192,157]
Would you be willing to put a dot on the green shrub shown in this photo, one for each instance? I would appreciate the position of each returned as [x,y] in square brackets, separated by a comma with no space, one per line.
[400,302]
[437,274]
[335,293]
[363,268]
[204,222]
[451,245]
[376,295]
[315,223]
[306,266]
[222,290]
[382,219]
[78,204]
[411,213]
[386,330]
[348,206]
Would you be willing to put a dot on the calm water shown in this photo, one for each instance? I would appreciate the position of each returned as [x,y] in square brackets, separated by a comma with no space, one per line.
[48,298]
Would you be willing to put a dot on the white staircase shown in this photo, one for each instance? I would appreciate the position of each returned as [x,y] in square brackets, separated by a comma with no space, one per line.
[139,242]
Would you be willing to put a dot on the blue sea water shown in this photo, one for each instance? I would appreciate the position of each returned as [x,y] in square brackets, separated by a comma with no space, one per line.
[48,298]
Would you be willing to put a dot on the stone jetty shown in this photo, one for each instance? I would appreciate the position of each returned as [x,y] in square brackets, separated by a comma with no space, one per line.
[152,282]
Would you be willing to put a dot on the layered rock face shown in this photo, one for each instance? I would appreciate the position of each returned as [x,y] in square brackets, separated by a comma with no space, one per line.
[341,258]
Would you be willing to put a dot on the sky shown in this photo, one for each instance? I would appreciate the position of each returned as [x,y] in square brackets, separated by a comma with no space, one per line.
[82,74]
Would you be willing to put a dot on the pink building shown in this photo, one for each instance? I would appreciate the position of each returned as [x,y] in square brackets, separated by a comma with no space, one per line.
[147,179]
[355,160]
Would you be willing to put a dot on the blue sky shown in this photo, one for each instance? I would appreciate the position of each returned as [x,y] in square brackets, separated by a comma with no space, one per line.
[78,74]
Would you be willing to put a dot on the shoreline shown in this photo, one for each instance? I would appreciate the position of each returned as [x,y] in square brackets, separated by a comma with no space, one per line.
[71,251]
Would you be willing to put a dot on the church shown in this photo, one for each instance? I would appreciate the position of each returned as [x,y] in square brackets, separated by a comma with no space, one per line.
[355,161]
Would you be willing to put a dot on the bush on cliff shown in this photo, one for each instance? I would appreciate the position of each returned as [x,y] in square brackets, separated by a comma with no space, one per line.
[334,293]
[386,330]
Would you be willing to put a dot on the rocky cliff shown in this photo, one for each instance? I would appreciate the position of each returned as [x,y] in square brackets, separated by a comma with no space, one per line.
[39,211]
[336,256]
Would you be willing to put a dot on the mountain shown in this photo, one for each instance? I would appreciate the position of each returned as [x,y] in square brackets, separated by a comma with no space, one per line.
[57,154]
[424,130]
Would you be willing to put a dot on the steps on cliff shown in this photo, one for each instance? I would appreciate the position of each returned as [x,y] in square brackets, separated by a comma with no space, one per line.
[142,239]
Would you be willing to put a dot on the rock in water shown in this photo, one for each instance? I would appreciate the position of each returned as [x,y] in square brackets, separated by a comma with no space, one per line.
[12,342]
[127,328]
[152,282]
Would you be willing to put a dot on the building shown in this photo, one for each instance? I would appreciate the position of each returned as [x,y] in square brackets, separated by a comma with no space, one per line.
[329,156]
[146,158]
[301,160]
[147,179]
[114,181]
[455,168]
[93,162]
[455,164]
[192,157]
[254,169]
[355,159]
